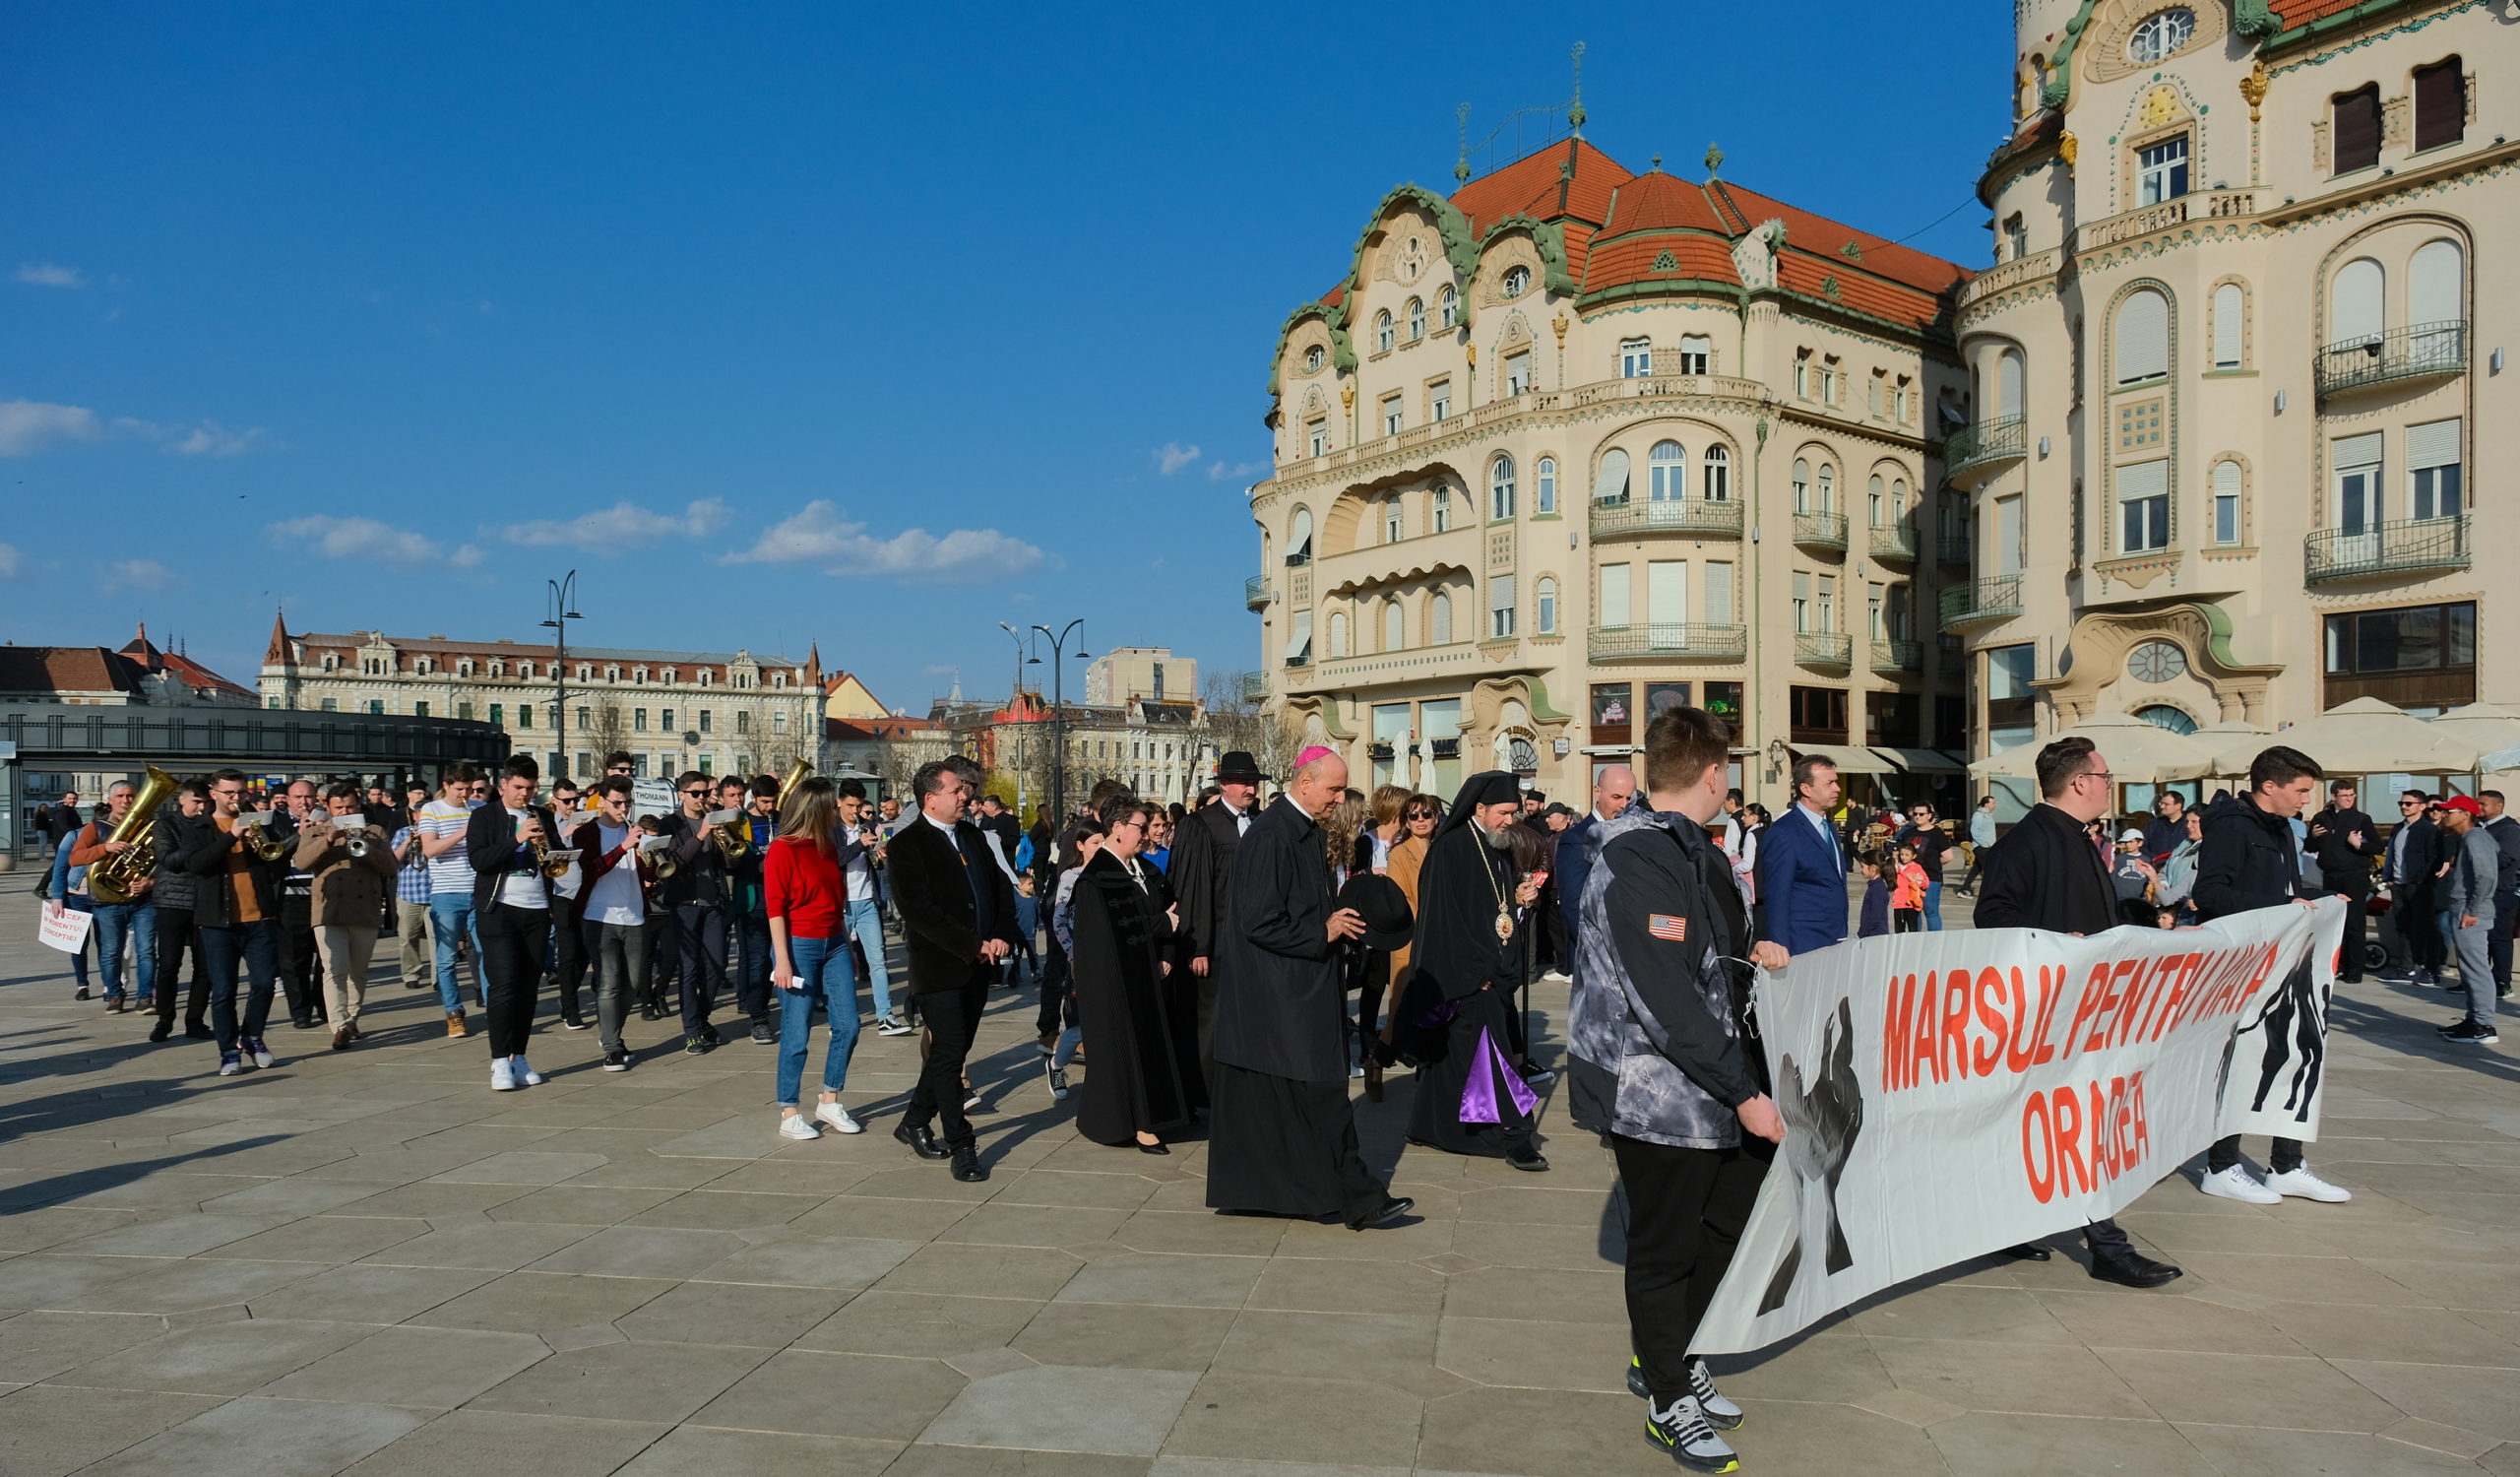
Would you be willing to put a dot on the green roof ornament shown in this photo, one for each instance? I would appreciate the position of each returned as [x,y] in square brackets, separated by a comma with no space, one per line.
[1714,161]
[1852,250]
[1667,262]
[1575,115]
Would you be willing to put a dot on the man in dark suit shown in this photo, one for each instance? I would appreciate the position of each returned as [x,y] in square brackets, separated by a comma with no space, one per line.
[511,913]
[1803,868]
[2343,842]
[957,921]
[1578,847]
[2415,858]
[2044,874]
[1200,869]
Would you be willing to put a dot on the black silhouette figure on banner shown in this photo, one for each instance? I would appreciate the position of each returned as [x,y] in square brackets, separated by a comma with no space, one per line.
[1822,1124]
[2299,1009]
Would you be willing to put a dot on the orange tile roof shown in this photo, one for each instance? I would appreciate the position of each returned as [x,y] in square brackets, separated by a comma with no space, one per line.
[66,668]
[1529,186]
[1820,233]
[1632,258]
[1658,201]
[1800,272]
[2303,12]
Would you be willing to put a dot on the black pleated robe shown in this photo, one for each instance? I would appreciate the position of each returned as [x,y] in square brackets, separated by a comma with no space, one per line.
[1133,1076]
[1457,1019]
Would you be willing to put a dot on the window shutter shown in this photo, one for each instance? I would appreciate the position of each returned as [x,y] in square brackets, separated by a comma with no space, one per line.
[1500,592]
[2359,451]
[2440,105]
[1612,486]
[1718,594]
[1666,591]
[2433,284]
[2143,479]
[2358,130]
[2143,337]
[1615,595]
[2432,444]
[2230,325]
[2226,478]
[1300,643]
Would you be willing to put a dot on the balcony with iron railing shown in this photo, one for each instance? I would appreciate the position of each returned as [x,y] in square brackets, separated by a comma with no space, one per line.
[1980,602]
[2419,351]
[1256,594]
[1669,642]
[1822,649]
[1255,686]
[1894,541]
[1820,531]
[1972,452]
[1953,550]
[1695,516]
[2410,546]
[1890,658]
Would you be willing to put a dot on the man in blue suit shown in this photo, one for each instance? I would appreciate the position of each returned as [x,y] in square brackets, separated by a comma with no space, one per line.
[1579,845]
[1801,868]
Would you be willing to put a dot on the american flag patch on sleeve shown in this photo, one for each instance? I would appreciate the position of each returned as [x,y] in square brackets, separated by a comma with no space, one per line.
[1665,926]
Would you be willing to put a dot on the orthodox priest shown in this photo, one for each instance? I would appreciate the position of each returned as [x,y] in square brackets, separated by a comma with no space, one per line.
[1470,1098]
[1284,1134]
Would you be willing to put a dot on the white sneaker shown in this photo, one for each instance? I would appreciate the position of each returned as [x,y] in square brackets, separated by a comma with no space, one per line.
[890,1025]
[1558,977]
[525,1073]
[502,1074]
[798,1126]
[2236,1183]
[837,1116]
[1682,1431]
[2300,1182]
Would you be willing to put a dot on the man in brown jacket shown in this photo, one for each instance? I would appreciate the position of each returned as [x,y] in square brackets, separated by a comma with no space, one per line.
[353,867]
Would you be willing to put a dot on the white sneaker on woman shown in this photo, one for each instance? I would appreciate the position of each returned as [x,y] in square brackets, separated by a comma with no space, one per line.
[2300,1182]
[525,1073]
[798,1126]
[2237,1184]
[502,1074]
[837,1116]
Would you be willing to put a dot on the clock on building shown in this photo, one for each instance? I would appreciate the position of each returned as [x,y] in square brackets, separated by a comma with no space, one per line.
[2156,662]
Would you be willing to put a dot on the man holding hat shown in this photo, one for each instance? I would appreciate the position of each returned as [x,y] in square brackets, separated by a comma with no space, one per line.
[1199,870]
[1471,1099]
[2468,901]
[1284,1138]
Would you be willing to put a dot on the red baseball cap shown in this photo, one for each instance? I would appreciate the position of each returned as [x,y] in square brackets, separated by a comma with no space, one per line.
[2465,802]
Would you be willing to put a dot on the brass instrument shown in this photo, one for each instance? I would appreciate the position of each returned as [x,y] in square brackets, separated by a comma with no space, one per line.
[258,838]
[798,774]
[734,839]
[552,867]
[119,877]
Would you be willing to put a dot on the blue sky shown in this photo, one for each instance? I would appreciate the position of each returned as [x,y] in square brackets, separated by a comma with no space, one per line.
[779,323]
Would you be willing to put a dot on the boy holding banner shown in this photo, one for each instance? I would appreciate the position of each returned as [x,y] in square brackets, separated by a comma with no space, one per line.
[1658,1065]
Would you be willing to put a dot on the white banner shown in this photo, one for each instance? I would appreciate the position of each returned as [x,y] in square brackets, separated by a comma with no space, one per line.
[654,797]
[1946,1095]
[63,929]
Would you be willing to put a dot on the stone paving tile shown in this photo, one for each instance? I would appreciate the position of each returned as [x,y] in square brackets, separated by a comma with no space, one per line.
[468,1441]
[368,1294]
[532,1302]
[217,1359]
[414,1366]
[47,1429]
[1125,1336]
[40,1345]
[880,1323]
[624,1382]
[815,1394]
[1066,1408]
[701,1451]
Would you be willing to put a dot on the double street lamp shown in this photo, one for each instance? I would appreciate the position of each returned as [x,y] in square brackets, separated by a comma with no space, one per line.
[1058,713]
[564,609]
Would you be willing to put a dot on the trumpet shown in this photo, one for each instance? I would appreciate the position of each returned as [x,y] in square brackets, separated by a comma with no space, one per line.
[552,863]
[254,828]
[733,836]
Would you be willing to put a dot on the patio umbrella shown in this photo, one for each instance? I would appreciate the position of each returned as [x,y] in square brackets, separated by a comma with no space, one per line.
[2487,726]
[2139,753]
[2230,736]
[2364,736]
[2499,760]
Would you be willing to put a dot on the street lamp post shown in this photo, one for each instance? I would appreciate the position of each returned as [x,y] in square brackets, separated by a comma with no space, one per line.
[564,609]
[1014,709]
[1058,714]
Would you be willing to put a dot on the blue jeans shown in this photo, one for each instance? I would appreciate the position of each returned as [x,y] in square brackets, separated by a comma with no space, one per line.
[451,919]
[824,973]
[257,946]
[865,924]
[77,902]
[1933,906]
[126,928]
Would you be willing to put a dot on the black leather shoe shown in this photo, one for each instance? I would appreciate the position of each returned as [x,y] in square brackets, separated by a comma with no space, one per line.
[162,1030]
[2134,1270]
[1393,1208]
[921,1141]
[2028,1251]
[1530,1161]
[1158,1147]
[967,1167]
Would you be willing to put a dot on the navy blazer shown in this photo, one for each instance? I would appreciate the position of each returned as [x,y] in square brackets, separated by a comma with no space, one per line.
[1577,849]
[1802,884]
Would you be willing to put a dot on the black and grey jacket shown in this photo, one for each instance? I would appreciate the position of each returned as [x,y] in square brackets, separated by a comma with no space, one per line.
[1655,1029]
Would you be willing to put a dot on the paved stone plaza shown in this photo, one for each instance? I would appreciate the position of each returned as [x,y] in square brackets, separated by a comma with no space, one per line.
[366,1261]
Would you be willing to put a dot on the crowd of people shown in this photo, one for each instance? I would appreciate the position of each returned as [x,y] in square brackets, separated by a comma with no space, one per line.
[1229,968]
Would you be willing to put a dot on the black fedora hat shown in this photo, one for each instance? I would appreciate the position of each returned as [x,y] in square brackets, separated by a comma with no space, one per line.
[1378,899]
[1240,768]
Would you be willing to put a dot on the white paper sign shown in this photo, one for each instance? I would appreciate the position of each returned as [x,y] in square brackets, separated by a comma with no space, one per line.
[64,928]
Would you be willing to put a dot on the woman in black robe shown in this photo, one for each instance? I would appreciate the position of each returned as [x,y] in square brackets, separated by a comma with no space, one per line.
[1463,964]
[1134,1084]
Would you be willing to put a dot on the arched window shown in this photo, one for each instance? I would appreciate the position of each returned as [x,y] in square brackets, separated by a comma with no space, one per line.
[2227,502]
[1338,633]
[1501,488]
[1669,465]
[2008,386]
[2163,716]
[2355,308]
[1382,330]
[1876,515]
[1394,523]
[1611,489]
[2434,285]
[1719,475]
[1395,626]
[1448,304]
[1300,539]
[1439,620]
[2142,342]
[1828,497]
[1546,471]
[2231,326]
[1518,281]
[1898,498]
[1546,593]
[1416,319]
[1801,485]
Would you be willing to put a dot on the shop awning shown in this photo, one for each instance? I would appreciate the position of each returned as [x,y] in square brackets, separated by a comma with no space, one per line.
[1847,758]
[1923,762]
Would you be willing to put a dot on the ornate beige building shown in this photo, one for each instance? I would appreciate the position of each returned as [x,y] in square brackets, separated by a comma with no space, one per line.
[719,711]
[2234,368]
[1575,443]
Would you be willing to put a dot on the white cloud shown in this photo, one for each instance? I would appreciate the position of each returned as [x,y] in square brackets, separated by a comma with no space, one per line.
[27,425]
[367,540]
[211,439]
[138,574]
[8,561]
[818,535]
[1219,472]
[46,275]
[1173,455]
[621,525]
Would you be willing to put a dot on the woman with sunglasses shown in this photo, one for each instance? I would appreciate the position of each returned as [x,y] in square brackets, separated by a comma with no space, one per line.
[805,892]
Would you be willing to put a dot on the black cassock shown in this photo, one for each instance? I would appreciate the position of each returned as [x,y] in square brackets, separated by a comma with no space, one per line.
[1134,1079]
[1461,1033]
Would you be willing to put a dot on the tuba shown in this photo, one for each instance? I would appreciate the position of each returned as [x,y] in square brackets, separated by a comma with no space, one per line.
[118,878]
[798,773]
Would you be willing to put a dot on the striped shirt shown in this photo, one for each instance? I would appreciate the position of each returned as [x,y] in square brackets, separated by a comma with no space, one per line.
[449,870]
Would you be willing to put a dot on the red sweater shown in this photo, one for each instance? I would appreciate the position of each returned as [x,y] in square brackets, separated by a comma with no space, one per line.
[801,883]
